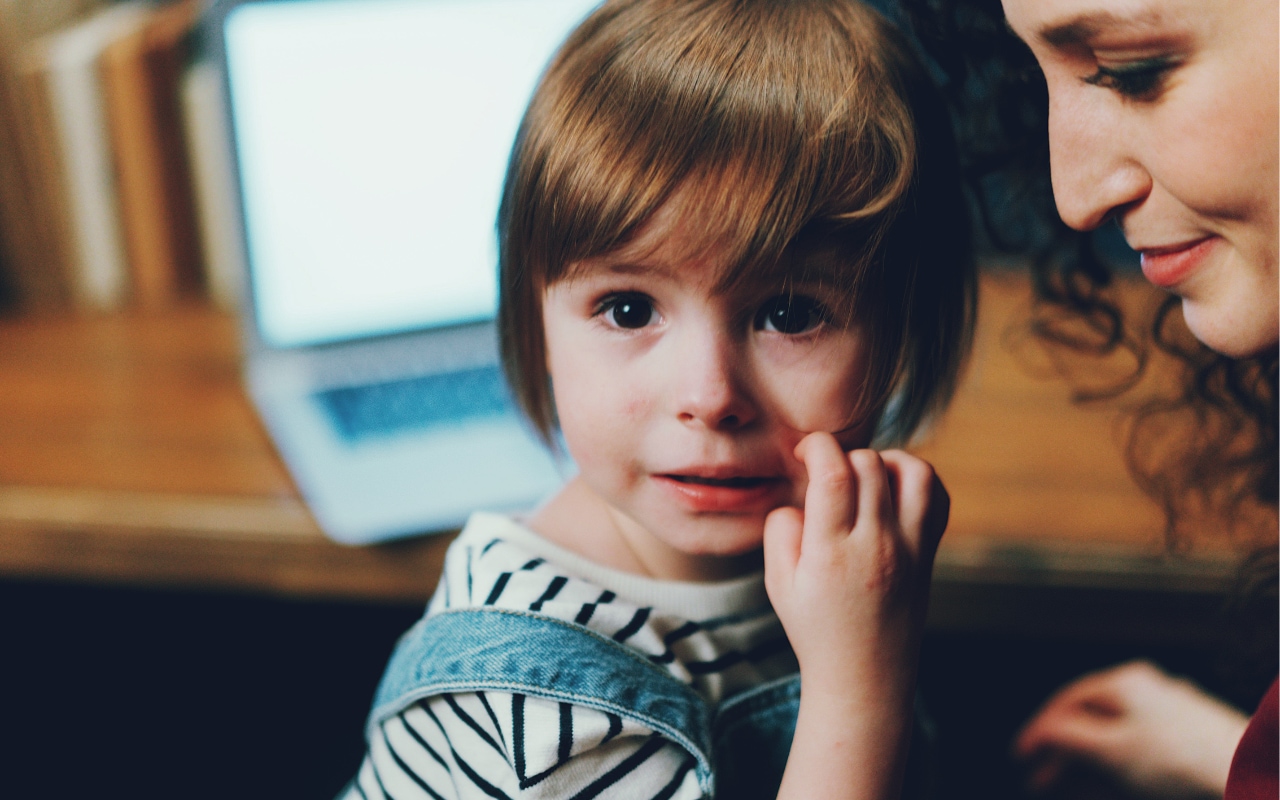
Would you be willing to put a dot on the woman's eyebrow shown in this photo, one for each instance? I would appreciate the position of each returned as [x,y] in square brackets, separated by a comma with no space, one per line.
[1083,28]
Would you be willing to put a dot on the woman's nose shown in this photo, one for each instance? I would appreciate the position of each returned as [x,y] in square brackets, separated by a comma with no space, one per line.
[711,390]
[1095,173]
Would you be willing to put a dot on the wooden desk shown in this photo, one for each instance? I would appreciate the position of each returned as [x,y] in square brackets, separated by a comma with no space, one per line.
[129,453]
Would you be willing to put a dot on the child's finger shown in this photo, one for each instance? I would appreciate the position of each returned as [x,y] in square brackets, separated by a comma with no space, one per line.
[783,531]
[939,514]
[830,502]
[922,502]
[875,500]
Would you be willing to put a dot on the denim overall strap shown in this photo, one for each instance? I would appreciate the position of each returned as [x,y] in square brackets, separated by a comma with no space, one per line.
[505,650]
[752,734]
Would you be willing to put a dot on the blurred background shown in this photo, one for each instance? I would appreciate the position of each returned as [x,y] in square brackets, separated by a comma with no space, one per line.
[174,623]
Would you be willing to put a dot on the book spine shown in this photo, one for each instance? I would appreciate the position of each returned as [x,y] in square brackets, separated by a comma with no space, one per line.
[140,78]
[209,146]
[81,130]
[32,230]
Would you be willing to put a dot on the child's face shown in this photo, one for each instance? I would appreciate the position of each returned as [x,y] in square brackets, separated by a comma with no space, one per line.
[681,405]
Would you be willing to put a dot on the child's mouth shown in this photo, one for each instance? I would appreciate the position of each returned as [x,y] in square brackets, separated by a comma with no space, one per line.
[733,483]
[733,494]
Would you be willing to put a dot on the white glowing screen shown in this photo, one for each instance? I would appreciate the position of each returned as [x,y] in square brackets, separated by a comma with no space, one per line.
[372,139]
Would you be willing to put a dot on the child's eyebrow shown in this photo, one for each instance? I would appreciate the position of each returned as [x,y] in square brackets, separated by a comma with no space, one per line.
[632,268]
[606,265]
[823,265]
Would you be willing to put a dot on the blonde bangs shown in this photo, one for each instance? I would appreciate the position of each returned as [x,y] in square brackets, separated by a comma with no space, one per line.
[650,102]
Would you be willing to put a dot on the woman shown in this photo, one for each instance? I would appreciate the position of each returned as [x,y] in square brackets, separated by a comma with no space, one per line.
[1162,117]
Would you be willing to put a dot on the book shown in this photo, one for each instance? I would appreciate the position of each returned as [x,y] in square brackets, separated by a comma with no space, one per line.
[218,220]
[32,235]
[29,19]
[64,82]
[141,75]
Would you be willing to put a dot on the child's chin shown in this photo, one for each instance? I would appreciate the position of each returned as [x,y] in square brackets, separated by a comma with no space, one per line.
[732,537]
[724,565]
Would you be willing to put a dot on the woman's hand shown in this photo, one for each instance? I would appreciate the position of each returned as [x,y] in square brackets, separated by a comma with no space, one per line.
[1157,734]
[849,578]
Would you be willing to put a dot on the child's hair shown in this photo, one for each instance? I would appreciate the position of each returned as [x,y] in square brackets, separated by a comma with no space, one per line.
[772,123]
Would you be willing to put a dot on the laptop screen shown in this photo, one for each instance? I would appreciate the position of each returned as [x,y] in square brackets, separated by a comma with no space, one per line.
[372,139]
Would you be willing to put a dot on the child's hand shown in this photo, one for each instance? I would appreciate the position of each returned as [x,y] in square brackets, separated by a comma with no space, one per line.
[849,578]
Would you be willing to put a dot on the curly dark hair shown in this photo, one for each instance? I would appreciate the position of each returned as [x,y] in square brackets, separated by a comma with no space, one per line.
[1206,450]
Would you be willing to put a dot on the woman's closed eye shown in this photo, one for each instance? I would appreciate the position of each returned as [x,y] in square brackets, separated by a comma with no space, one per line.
[1138,80]
[791,314]
[628,310]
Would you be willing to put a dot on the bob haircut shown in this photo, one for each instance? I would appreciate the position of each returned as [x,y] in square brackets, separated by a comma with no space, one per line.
[772,124]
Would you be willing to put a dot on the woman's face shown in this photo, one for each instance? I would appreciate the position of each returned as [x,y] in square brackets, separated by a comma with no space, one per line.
[1163,114]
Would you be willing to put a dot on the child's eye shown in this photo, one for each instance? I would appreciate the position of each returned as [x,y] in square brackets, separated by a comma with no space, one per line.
[1140,80]
[791,314]
[627,310]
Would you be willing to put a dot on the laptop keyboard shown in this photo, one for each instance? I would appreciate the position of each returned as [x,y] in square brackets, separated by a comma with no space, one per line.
[382,409]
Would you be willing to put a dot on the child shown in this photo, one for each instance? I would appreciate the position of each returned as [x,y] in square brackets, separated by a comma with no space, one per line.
[733,253]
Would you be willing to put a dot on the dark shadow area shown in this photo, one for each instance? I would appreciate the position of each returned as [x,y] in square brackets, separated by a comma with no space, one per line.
[164,694]
[150,694]
[981,688]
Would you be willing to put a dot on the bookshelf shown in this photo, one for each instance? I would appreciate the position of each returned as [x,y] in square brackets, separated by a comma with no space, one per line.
[114,173]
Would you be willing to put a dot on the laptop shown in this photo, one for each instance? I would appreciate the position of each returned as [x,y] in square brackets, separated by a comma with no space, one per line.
[370,139]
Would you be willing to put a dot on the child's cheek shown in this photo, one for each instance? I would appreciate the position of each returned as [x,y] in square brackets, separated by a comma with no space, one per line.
[805,421]
[827,408]
[599,423]
[822,390]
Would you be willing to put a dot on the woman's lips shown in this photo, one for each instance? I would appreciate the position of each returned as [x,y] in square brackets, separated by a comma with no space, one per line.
[1168,266]
[732,494]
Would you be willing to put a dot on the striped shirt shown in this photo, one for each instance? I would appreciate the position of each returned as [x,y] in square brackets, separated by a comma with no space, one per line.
[718,638]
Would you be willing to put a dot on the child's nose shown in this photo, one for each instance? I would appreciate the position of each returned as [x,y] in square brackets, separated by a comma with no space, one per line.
[711,391]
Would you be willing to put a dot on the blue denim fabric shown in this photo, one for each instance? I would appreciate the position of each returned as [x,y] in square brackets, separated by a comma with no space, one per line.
[741,747]
[752,739]
[494,649]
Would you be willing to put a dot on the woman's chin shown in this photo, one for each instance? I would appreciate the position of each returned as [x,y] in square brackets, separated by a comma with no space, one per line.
[1238,330]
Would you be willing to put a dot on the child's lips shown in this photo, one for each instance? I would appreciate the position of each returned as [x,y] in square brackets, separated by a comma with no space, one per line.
[723,493]
[738,482]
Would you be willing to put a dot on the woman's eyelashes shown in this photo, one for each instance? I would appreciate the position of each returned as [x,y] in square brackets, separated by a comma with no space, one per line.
[628,310]
[1138,80]
[791,314]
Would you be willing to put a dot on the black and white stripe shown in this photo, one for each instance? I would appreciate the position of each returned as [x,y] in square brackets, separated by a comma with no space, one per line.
[441,748]
[507,745]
